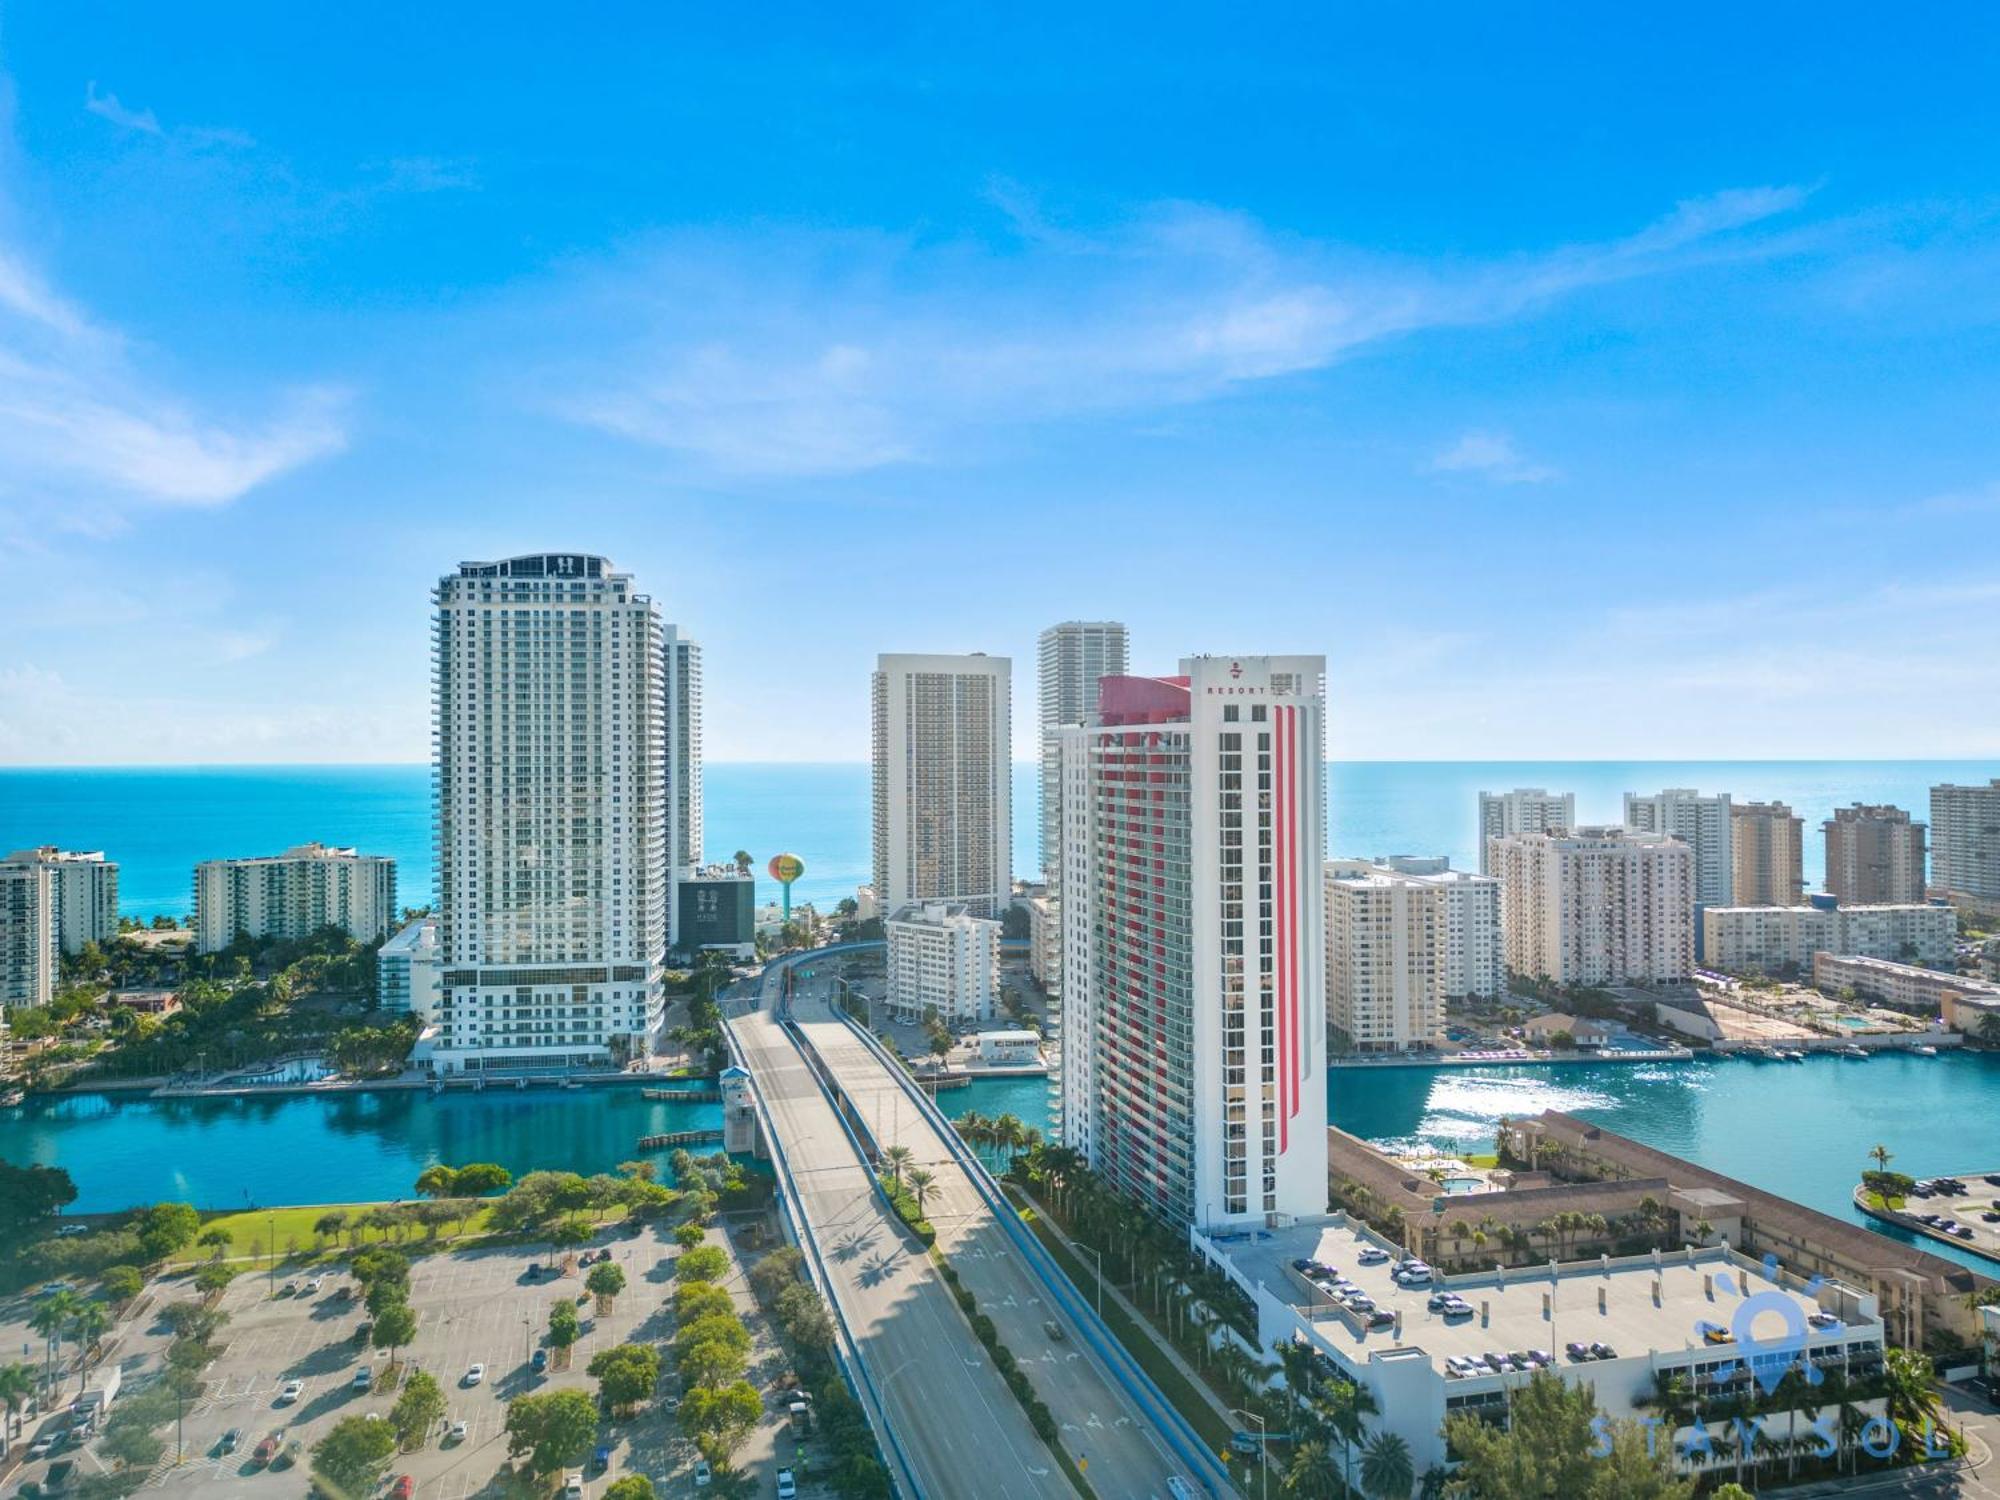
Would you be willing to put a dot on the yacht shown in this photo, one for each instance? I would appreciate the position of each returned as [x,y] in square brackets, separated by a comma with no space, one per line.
[1926,1050]
[1850,1050]
[1794,1055]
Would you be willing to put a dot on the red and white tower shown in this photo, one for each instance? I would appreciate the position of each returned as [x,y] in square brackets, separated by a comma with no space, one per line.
[1193,1015]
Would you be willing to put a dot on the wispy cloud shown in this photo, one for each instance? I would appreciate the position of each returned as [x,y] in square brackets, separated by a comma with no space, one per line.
[786,354]
[107,106]
[79,423]
[1493,456]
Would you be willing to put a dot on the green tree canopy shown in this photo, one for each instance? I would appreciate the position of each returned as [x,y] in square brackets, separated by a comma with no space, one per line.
[605,1281]
[418,1408]
[556,1428]
[705,1264]
[631,1487]
[351,1457]
[718,1420]
[30,1193]
[167,1227]
[627,1374]
[1552,1448]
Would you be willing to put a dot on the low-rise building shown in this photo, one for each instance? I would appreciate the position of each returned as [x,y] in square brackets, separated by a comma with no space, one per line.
[1005,1047]
[1767,939]
[293,895]
[1903,986]
[941,957]
[1620,1326]
[406,971]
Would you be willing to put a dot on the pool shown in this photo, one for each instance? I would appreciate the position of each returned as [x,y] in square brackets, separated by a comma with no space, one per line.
[1465,1184]
[1855,1023]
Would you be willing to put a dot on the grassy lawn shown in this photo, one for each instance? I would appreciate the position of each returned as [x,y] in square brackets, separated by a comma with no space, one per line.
[1484,1160]
[1876,1200]
[250,1234]
[1141,1343]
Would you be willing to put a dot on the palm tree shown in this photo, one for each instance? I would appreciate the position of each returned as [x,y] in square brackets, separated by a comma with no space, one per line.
[1913,1397]
[1343,1404]
[17,1384]
[1432,1485]
[897,1159]
[1310,1475]
[87,1326]
[1387,1472]
[742,859]
[50,1319]
[921,1181]
[1882,1156]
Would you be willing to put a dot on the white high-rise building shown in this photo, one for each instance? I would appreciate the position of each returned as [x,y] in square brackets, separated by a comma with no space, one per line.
[552,816]
[293,895]
[406,971]
[942,958]
[30,954]
[1597,906]
[1764,938]
[1523,810]
[1074,657]
[1193,1045]
[680,661]
[1965,842]
[86,894]
[1385,936]
[1702,823]
[943,782]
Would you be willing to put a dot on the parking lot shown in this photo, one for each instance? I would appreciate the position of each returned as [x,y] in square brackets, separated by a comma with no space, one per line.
[474,1307]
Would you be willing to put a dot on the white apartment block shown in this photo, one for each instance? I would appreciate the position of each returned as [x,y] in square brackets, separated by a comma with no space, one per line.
[1907,986]
[1523,810]
[552,816]
[293,895]
[680,672]
[1385,936]
[1474,966]
[86,886]
[1965,841]
[1702,823]
[1073,658]
[941,957]
[1044,938]
[1193,1038]
[943,787]
[30,955]
[1764,938]
[406,971]
[1874,856]
[1596,906]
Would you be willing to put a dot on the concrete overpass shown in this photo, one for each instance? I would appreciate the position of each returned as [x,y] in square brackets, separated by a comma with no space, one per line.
[1114,1422]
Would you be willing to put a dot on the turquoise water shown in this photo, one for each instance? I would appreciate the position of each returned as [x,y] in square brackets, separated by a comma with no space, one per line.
[328,1148]
[158,822]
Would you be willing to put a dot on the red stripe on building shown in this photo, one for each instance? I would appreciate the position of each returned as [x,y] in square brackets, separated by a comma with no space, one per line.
[1281,853]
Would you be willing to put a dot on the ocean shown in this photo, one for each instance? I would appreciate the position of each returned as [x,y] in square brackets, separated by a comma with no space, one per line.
[157,822]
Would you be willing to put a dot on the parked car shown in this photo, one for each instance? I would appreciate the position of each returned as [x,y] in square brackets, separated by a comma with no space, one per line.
[229,1440]
[268,1449]
[573,1484]
[703,1475]
[456,1433]
[539,1360]
[787,1487]
[406,1486]
[475,1374]
[290,1391]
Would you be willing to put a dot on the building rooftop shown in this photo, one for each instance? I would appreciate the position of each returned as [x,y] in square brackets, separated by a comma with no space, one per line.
[1525,1309]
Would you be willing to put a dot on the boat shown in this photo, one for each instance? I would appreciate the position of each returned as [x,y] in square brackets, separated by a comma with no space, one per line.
[13,1097]
[1793,1056]
[1761,1053]
[1925,1051]
[1850,1050]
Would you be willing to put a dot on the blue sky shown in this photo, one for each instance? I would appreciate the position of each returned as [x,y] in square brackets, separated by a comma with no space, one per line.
[1583,385]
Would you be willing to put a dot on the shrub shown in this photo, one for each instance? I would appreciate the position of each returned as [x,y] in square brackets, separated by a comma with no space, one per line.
[1043,1423]
[983,1326]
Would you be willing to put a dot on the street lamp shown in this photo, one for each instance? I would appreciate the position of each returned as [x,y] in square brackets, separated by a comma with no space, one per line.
[1263,1447]
[1099,1255]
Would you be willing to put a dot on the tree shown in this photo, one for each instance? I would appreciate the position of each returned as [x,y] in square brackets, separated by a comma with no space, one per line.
[215,1239]
[167,1227]
[395,1326]
[17,1387]
[802,1314]
[718,1420]
[30,1193]
[350,1458]
[1881,1156]
[328,1225]
[480,1178]
[742,858]
[605,1282]
[897,1160]
[213,1277]
[710,1364]
[438,1181]
[687,1236]
[564,1328]
[122,1283]
[556,1428]
[921,1182]
[379,1266]
[131,1447]
[1311,1475]
[1387,1472]
[626,1375]
[774,1272]
[631,1487]
[1552,1448]
[705,1264]
[419,1408]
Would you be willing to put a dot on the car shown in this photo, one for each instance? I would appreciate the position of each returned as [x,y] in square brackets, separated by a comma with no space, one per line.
[1577,1350]
[1823,1319]
[1361,1303]
[475,1374]
[44,1445]
[1415,1276]
[703,1475]
[1602,1351]
[534,1271]
[229,1441]
[290,1391]
[405,1487]
[539,1360]
[1302,1264]
[58,1475]
[313,1284]
[70,1230]
[573,1482]
[289,1289]
[788,1488]
[289,1454]
[1457,1308]
[1991,1216]
[1381,1318]
[456,1433]
[268,1449]
[364,1379]
[1439,1301]
[1714,1333]
[1054,1330]
[1372,1256]
[601,1459]
[1542,1357]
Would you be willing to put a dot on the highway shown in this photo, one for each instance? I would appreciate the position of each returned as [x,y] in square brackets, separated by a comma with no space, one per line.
[1123,1453]
[961,1428]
